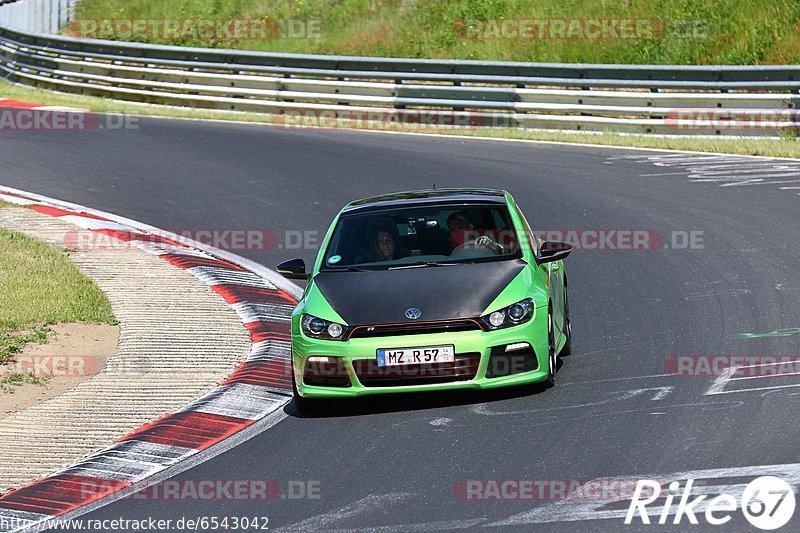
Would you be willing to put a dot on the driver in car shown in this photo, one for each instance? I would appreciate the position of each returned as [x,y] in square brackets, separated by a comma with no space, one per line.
[463,233]
[461,229]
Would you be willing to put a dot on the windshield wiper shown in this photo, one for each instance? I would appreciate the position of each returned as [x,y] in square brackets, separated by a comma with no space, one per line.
[423,265]
[347,269]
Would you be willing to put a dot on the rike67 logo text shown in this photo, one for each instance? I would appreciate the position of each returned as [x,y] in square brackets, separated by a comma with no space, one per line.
[767,502]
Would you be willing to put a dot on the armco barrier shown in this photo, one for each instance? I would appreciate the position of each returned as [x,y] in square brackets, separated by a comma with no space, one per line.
[679,100]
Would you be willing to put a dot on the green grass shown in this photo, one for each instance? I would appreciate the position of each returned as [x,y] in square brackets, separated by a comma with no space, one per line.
[13,339]
[786,146]
[783,147]
[10,383]
[694,31]
[39,286]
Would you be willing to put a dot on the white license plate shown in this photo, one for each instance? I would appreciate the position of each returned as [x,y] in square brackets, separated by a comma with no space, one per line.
[417,356]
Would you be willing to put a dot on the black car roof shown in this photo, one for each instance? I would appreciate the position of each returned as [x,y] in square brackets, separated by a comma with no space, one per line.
[429,196]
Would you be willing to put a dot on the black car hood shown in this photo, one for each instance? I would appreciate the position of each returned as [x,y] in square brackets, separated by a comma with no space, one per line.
[441,293]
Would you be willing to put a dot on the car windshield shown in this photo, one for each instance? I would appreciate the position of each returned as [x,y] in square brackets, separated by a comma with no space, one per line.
[413,237]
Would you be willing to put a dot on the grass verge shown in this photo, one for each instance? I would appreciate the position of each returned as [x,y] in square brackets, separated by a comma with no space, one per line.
[682,32]
[39,286]
[10,383]
[784,147]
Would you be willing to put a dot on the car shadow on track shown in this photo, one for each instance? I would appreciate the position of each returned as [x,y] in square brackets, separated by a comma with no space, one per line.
[388,403]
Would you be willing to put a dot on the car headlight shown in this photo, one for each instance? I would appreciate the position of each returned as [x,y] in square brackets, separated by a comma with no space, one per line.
[513,315]
[319,328]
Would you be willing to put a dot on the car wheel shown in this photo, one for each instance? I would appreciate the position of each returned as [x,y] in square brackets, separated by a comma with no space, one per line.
[303,405]
[567,349]
[552,359]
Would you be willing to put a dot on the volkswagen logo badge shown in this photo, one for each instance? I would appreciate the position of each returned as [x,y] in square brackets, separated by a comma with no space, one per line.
[413,313]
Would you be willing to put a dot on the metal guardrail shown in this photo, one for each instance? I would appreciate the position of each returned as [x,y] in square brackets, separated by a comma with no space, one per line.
[681,100]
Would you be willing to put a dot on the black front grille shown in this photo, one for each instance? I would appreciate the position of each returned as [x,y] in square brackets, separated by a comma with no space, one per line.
[326,374]
[464,368]
[502,363]
[390,330]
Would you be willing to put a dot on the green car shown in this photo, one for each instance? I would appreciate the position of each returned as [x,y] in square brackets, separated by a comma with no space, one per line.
[428,290]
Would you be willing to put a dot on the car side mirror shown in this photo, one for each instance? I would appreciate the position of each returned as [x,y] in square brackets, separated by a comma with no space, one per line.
[293,269]
[551,251]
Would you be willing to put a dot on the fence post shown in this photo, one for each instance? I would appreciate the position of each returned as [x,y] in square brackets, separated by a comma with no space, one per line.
[36,17]
[54,27]
[62,14]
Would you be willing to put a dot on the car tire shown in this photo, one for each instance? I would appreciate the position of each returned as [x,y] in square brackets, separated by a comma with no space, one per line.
[567,349]
[301,404]
[552,358]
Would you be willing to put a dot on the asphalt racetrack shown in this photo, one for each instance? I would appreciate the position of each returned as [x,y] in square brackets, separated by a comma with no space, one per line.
[717,278]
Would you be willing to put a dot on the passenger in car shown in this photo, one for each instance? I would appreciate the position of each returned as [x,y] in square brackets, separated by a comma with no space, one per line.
[383,246]
[382,242]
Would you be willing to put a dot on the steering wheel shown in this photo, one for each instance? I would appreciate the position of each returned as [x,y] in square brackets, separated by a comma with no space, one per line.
[481,242]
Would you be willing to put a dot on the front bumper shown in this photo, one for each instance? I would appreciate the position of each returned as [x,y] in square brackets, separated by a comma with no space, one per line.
[356,352]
